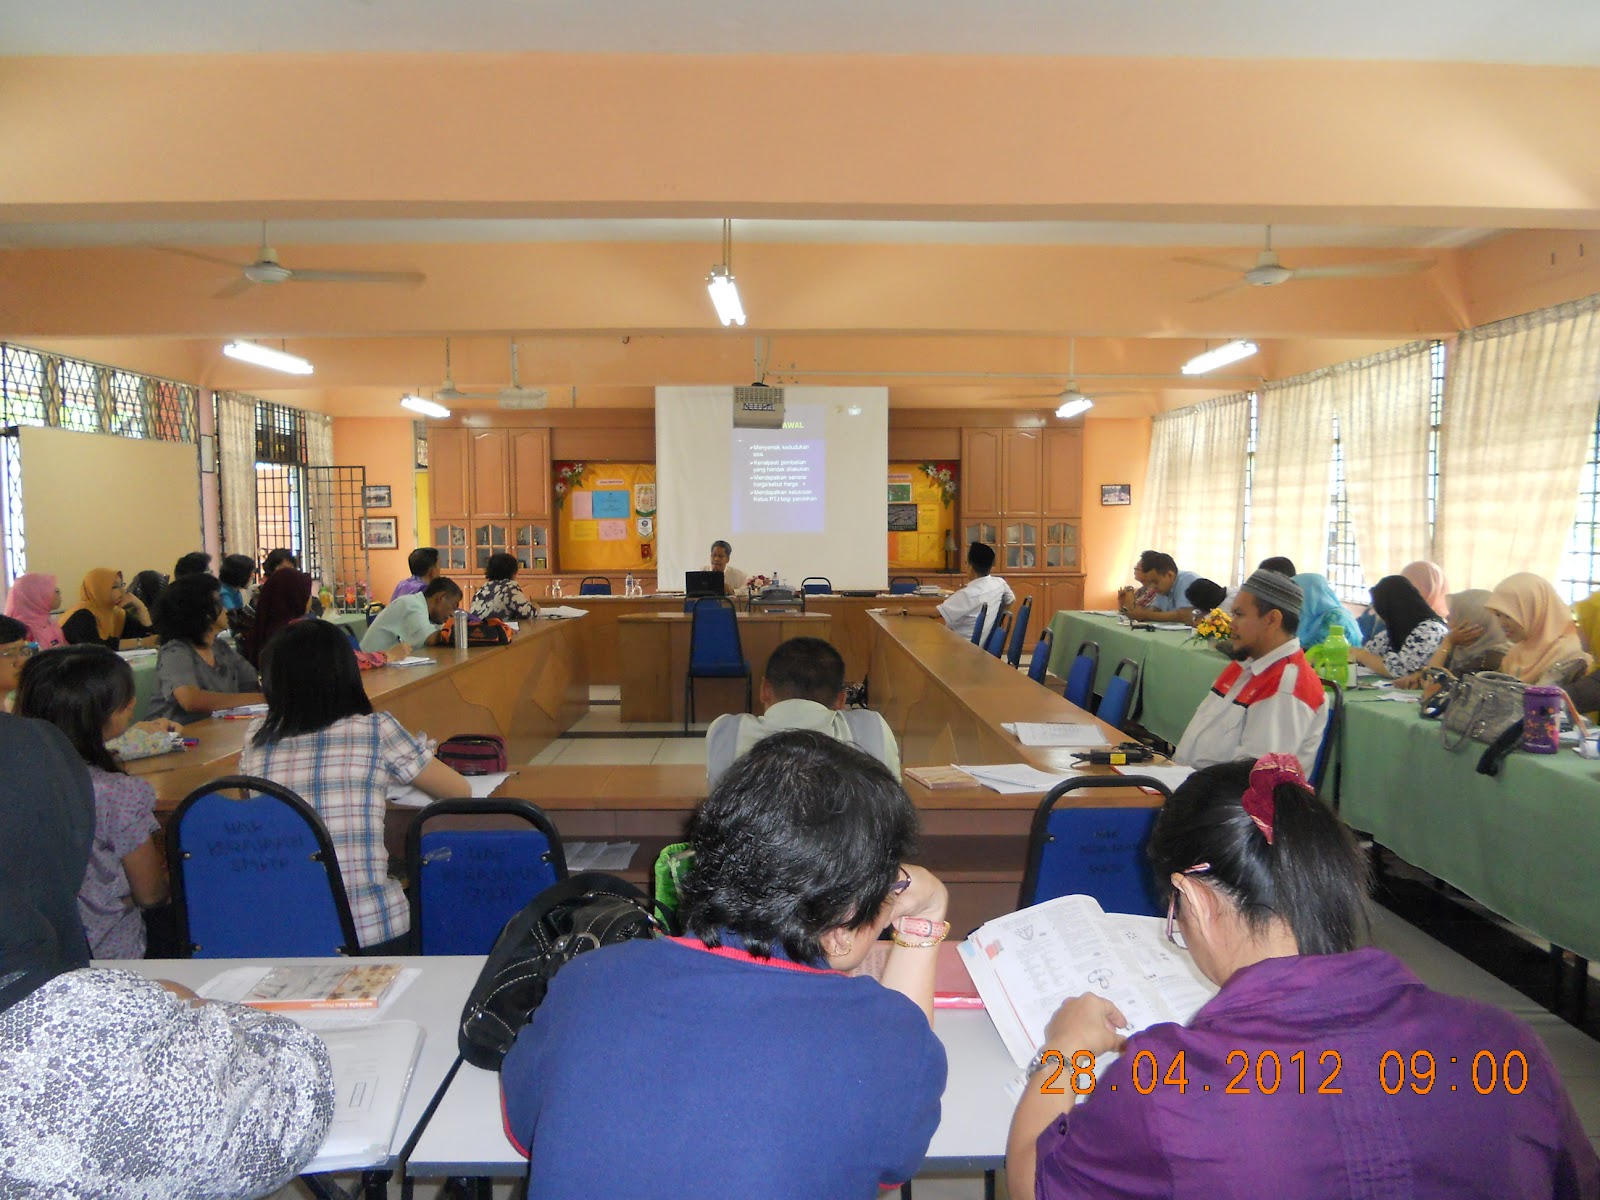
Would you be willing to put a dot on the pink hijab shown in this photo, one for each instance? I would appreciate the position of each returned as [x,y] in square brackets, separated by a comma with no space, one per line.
[29,602]
[1429,580]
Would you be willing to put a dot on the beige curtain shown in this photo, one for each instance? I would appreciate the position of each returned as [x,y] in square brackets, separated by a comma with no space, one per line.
[1383,418]
[1293,481]
[1518,417]
[323,550]
[1194,489]
[236,467]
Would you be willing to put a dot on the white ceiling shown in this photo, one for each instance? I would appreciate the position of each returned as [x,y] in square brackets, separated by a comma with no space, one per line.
[1565,32]
[432,232]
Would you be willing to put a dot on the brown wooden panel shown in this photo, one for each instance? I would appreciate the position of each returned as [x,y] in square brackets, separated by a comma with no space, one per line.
[605,442]
[851,633]
[923,445]
[449,474]
[491,474]
[530,473]
[980,471]
[1022,460]
[1063,472]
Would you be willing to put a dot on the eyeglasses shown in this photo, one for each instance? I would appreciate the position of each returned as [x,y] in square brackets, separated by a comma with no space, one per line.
[26,650]
[900,884]
[1174,934]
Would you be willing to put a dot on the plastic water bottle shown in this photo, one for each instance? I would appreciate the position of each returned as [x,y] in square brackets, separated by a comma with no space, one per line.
[1336,657]
[627,585]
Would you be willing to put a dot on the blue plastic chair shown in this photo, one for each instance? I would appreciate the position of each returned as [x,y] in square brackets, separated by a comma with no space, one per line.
[1080,675]
[256,877]
[977,624]
[904,585]
[996,642]
[817,585]
[1116,704]
[467,883]
[715,651]
[1096,851]
[1040,662]
[593,585]
[1019,631]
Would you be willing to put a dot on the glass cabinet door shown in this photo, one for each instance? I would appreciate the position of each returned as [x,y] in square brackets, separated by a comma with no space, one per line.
[1061,546]
[1022,546]
[981,531]
[532,546]
[487,539]
[451,542]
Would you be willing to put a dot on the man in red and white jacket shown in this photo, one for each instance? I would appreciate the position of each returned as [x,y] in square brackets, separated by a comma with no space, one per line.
[1269,701]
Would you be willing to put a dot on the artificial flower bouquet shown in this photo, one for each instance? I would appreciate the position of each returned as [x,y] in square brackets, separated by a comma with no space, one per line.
[1215,626]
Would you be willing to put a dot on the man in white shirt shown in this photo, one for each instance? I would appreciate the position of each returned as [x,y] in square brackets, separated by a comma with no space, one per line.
[1269,701]
[802,688]
[960,612]
[733,579]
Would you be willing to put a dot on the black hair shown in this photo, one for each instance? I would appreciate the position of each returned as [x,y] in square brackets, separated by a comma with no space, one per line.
[726,546]
[78,689]
[1312,874]
[1291,620]
[806,668]
[12,630]
[1400,607]
[1155,560]
[276,558]
[1205,594]
[188,608]
[148,586]
[980,557]
[801,835]
[236,570]
[422,560]
[442,585]
[501,566]
[196,562]
[310,678]
[1278,565]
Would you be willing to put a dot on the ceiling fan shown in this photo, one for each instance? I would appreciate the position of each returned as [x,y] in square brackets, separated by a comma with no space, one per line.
[1269,272]
[512,396]
[266,269]
[1070,401]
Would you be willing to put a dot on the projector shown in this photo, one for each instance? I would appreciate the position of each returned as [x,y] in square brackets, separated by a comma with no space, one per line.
[757,407]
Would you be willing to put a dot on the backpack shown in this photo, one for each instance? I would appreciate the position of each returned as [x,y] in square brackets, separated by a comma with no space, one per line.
[491,631]
[589,910]
[473,753]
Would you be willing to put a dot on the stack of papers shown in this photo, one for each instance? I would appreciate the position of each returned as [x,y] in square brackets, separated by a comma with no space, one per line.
[561,612]
[1014,778]
[1172,776]
[137,655]
[414,660]
[483,787]
[1031,733]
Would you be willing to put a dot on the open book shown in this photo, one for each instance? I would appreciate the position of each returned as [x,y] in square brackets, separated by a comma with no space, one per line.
[1026,963]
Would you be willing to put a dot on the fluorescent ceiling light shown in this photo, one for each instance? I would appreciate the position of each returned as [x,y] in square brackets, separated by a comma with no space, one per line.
[266,356]
[1077,406]
[725,295]
[426,407]
[1229,352]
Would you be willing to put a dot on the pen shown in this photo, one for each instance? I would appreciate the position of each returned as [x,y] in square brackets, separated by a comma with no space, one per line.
[189,743]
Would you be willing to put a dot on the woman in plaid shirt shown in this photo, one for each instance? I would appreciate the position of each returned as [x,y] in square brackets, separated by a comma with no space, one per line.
[322,740]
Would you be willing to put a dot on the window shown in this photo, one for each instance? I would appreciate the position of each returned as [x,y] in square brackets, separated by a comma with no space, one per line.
[1344,561]
[1435,420]
[1249,480]
[1580,565]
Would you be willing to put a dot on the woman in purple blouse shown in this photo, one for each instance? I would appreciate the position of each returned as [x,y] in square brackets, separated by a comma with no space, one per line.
[1320,1069]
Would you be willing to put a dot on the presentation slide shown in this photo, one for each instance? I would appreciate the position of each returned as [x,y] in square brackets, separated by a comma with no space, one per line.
[804,500]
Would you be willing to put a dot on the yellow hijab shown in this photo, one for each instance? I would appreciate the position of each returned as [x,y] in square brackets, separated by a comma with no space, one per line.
[1551,635]
[94,595]
[1588,611]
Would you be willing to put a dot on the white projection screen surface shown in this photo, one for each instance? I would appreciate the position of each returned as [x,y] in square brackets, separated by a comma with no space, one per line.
[95,500]
[808,499]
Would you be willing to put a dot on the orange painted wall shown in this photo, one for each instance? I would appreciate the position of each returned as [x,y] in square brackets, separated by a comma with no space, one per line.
[1116,450]
[385,448]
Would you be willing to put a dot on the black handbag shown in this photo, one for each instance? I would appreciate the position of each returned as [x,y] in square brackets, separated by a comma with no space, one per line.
[583,913]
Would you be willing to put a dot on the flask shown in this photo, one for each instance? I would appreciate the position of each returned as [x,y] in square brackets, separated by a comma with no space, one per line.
[1541,725]
[458,634]
[1336,657]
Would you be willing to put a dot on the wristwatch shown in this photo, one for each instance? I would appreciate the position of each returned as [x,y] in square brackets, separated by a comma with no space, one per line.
[919,933]
[1036,1063]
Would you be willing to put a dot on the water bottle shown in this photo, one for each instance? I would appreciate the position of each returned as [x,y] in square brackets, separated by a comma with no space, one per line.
[458,633]
[1336,657]
[558,589]
[627,585]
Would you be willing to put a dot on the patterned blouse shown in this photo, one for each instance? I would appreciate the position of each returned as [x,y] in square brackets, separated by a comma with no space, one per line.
[346,773]
[1418,649]
[112,1086]
[124,819]
[505,599]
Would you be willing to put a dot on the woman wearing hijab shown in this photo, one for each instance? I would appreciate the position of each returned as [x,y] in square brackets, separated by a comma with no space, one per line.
[31,600]
[1475,643]
[1411,631]
[1321,610]
[283,597]
[1539,625]
[1428,579]
[112,1084]
[108,614]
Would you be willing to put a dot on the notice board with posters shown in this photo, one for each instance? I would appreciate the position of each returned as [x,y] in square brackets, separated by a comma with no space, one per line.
[606,516]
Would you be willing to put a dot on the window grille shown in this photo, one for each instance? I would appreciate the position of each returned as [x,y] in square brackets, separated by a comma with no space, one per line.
[1344,559]
[1435,422]
[1249,480]
[1580,564]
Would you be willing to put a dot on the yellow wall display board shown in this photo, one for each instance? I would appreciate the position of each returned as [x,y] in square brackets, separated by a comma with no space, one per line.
[606,516]
[922,514]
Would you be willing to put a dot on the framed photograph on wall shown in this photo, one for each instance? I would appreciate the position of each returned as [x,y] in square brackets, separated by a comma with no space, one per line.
[377,495]
[382,534]
[1116,493]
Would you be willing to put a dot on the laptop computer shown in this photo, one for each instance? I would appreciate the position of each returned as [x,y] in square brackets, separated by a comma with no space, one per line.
[705,583]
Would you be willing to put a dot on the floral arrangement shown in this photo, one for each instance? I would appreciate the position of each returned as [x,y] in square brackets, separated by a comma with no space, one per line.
[568,476]
[1215,626]
[943,476]
[756,582]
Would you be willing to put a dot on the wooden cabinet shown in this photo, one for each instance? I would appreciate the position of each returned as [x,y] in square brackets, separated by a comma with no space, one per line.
[1020,459]
[1065,594]
[449,474]
[980,470]
[530,473]
[1063,472]
[491,473]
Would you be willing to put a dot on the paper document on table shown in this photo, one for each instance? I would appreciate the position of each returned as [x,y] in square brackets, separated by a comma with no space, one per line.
[482,786]
[1172,776]
[413,660]
[371,1071]
[559,612]
[1035,733]
[1101,612]
[234,984]
[600,856]
[138,655]
[1013,778]
[1025,964]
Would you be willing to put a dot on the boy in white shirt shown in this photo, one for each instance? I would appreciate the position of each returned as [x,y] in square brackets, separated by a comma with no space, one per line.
[960,612]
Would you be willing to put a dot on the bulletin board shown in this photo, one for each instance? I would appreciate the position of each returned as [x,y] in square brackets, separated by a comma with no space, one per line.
[605,516]
[922,513]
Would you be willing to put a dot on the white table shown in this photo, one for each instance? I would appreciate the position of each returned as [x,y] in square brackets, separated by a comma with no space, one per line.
[466,1135]
[434,1002]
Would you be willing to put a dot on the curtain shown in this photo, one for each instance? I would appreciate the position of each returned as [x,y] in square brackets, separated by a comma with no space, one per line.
[1194,490]
[236,467]
[1383,429]
[323,551]
[1518,417]
[1293,480]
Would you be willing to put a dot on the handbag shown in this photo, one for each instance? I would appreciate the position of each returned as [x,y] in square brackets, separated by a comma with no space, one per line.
[473,753]
[583,913]
[1482,707]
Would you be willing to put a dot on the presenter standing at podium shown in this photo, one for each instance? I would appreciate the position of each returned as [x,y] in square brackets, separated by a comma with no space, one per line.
[733,579]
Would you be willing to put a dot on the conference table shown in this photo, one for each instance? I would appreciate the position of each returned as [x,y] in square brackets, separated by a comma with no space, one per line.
[1524,844]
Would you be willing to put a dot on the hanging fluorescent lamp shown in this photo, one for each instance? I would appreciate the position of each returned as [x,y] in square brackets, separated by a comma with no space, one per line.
[420,404]
[1228,352]
[1074,405]
[724,292]
[266,356]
